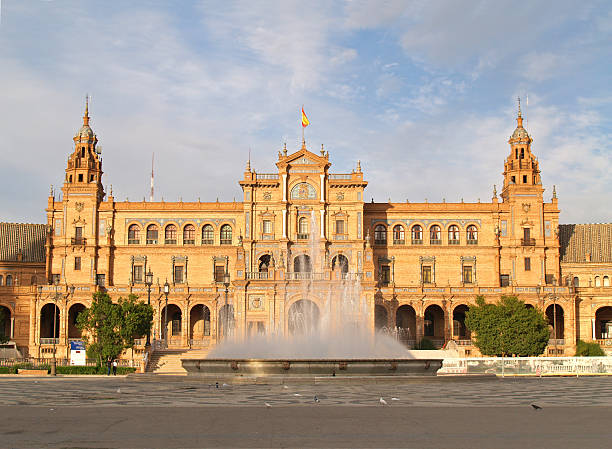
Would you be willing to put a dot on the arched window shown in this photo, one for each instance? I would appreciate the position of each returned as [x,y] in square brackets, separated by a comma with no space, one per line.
[398,235]
[576,281]
[134,235]
[417,235]
[380,235]
[208,235]
[170,234]
[152,234]
[597,281]
[33,280]
[1,280]
[453,235]
[189,235]
[302,228]
[226,235]
[472,235]
[435,235]
[9,280]
[606,281]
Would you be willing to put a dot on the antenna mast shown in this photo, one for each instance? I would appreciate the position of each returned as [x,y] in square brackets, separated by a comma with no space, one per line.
[152,177]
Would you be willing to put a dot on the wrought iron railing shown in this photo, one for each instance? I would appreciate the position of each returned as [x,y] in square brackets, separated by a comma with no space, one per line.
[78,241]
[435,241]
[302,236]
[527,242]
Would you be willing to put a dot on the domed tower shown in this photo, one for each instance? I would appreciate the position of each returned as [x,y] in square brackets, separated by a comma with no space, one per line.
[521,169]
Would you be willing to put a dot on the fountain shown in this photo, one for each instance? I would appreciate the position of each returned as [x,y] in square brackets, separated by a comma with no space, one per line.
[331,340]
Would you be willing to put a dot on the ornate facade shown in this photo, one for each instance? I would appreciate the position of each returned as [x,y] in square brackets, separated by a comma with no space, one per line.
[419,265]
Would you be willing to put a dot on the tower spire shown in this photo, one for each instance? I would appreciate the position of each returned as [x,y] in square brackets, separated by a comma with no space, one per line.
[86,116]
[519,118]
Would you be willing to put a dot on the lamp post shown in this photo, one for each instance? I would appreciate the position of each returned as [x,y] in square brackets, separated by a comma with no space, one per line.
[166,291]
[226,283]
[55,298]
[148,282]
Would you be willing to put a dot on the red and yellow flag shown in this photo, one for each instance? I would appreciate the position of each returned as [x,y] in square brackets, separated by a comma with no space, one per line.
[305,121]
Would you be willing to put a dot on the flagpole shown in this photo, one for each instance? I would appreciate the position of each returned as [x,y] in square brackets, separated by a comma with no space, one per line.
[302,123]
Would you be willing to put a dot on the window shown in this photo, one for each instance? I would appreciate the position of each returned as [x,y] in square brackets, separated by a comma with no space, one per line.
[504,280]
[170,235]
[339,226]
[527,240]
[208,235]
[398,235]
[77,264]
[189,235]
[101,280]
[472,235]
[54,279]
[152,234]
[267,227]
[527,264]
[219,273]
[576,281]
[385,274]
[1,279]
[550,279]
[524,179]
[380,235]
[453,235]
[226,235]
[426,274]
[606,281]
[513,180]
[467,274]
[597,281]
[80,177]
[78,236]
[137,273]
[417,235]
[435,235]
[302,228]
[178,274]
[9,280]
[134,235]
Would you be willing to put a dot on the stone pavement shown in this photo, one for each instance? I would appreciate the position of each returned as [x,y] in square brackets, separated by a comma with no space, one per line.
[187,412]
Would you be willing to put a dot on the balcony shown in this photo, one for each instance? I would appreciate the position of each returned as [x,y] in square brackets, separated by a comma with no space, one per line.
[417,241]
[302,236]
[189,242]
[399,241]
[151,241]
[266,176]
[49,341]
[382,242]
[78,241]
[435,242]
[305,276]
[208,242]
[453,242]
[226,241]
[472,242]
[170,242]
[527,242]
[257,275]
[133,241]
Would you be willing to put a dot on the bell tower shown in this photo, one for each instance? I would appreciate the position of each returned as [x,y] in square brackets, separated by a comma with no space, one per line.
[84,169]
[521,169]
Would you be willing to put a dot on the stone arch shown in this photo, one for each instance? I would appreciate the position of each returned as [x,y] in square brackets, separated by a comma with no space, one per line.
[174,326]
[405,322]
[226,321]
[460,330]
[434,322]
[556,321]
[263,263]
[73,313]
[48,323]
[381,317]
[199,322]
[340,262]
[603,322]
[303,317]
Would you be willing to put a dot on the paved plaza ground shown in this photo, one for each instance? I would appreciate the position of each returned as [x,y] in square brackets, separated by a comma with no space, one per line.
[186,412]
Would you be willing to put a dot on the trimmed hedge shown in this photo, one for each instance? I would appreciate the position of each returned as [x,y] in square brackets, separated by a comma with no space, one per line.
[425,344]
[79,370]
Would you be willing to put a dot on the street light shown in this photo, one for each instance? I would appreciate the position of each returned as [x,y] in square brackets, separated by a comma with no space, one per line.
[149,282]
[226,283]
[166,291]
[55,298]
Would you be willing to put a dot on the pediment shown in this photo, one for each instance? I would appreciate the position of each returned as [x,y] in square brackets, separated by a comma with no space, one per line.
[303,157]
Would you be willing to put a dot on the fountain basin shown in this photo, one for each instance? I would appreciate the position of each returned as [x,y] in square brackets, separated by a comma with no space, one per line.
[312,367]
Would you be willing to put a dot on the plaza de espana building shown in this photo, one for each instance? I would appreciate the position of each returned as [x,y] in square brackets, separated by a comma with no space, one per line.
[420,265]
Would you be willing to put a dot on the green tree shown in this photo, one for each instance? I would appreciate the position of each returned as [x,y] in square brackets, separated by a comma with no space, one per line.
[109,328]
[507,328]
[584,349]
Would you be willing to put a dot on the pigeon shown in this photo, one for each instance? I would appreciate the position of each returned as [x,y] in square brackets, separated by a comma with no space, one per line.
[226,385]
[316,399]
[268,405]
[536,407]
[118,390]
[285,387]
[395,399]
[382,401]
[297,394]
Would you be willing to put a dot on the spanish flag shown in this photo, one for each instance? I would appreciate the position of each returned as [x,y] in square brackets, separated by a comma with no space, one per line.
[305,121]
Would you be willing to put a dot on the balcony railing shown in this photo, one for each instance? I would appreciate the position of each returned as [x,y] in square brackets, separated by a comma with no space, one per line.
[266,176]
[78,241]
[342,176]
[556,342]
[170,242]
[49,341]
[417,241]
[302,236]
[435,241]
[305,276]
[133,241]
[399,241]
[464,342]
[527,242]
[380,241]
[453,242]
[189,242]
[226,241]
[151,241]
[259,275]
[208,242]
[472,242]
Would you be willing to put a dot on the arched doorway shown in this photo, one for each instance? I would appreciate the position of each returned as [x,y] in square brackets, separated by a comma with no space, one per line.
[303,317]
[555,321]
[226,323]
[434,322]
[460,331]
[47,322]
[5,323]
[603,322]
[199,323]
[173,327]
[405,323]
[301,264]
[264,263]
[381,317]
[73,313]
[340,262]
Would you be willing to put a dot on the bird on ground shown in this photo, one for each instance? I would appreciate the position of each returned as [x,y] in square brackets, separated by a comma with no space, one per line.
[395,399]
[118,390]
[285,387]
[536,407]
[316,399]
[216,384]
[226,385]
[382,401]
[297,394]
[268,405]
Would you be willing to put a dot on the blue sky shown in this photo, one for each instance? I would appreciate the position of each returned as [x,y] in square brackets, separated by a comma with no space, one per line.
[423,93]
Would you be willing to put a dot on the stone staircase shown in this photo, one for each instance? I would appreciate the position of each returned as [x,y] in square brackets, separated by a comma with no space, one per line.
[168,361]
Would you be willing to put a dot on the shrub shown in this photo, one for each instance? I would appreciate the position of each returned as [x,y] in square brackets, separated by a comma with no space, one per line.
[425,344]
[584,349]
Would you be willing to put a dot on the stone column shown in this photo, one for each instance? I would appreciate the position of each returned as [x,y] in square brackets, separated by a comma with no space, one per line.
[185,325]
[12,327]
